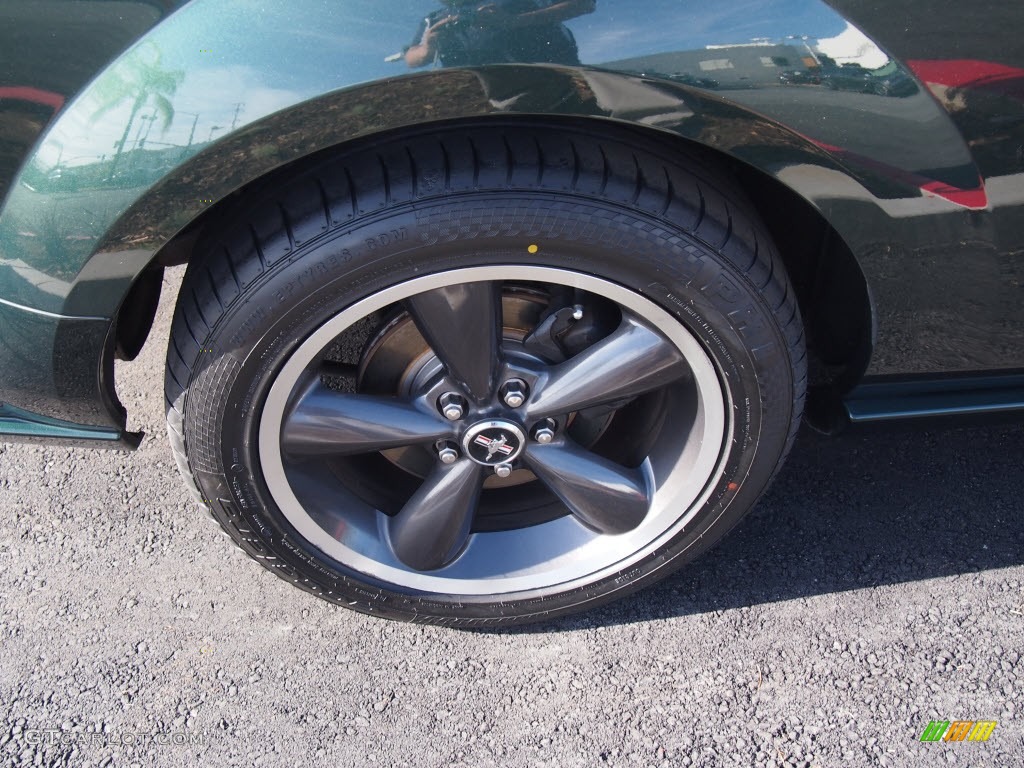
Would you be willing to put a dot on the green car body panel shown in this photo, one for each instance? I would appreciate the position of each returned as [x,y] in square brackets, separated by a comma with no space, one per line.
[171,108]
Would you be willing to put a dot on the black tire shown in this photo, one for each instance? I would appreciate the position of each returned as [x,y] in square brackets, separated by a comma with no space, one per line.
[675,241]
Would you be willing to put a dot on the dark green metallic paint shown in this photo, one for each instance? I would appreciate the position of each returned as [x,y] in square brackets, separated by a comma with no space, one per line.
[35,39]
[220,93]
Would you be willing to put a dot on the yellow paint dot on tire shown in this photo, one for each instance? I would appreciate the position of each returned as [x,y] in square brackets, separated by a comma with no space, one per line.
[533,249]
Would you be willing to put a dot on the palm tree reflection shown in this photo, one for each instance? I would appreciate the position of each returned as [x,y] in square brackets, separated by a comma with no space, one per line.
[141,80]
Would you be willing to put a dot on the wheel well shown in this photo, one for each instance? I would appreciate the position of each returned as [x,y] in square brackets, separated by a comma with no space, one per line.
[831,288]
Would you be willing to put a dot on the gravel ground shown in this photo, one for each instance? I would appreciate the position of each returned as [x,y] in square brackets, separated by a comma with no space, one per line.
[879,586]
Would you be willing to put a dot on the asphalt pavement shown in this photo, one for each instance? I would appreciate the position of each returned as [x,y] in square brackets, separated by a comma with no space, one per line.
[877,587]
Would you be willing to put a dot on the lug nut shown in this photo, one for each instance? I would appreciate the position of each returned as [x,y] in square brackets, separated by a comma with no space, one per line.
[514,400]
[503,470]
[544,432]
[544,435]
[514,393]
[453,406]
[448,455]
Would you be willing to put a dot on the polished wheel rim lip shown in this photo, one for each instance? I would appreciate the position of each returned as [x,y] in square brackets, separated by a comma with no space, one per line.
[561,552]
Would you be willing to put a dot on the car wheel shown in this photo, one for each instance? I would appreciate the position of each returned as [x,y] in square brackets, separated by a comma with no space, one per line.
[485,375]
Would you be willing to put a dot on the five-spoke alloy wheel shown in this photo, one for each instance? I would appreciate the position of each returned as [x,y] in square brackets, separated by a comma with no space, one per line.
[513,389]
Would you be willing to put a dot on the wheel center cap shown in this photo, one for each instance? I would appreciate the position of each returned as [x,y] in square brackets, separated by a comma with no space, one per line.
[493,442]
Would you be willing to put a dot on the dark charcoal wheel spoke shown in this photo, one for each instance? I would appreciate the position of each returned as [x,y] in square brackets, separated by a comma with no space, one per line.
[601,493]
[462,324]
[328,422]
[434,524]
[630,362]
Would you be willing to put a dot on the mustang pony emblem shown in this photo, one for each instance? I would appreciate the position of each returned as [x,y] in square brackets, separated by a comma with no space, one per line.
[498,445]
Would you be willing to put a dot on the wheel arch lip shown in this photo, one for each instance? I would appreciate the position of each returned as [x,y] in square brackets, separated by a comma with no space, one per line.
[176,204]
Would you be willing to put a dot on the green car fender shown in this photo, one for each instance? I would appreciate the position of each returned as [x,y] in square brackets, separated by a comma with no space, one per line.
[220,93]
